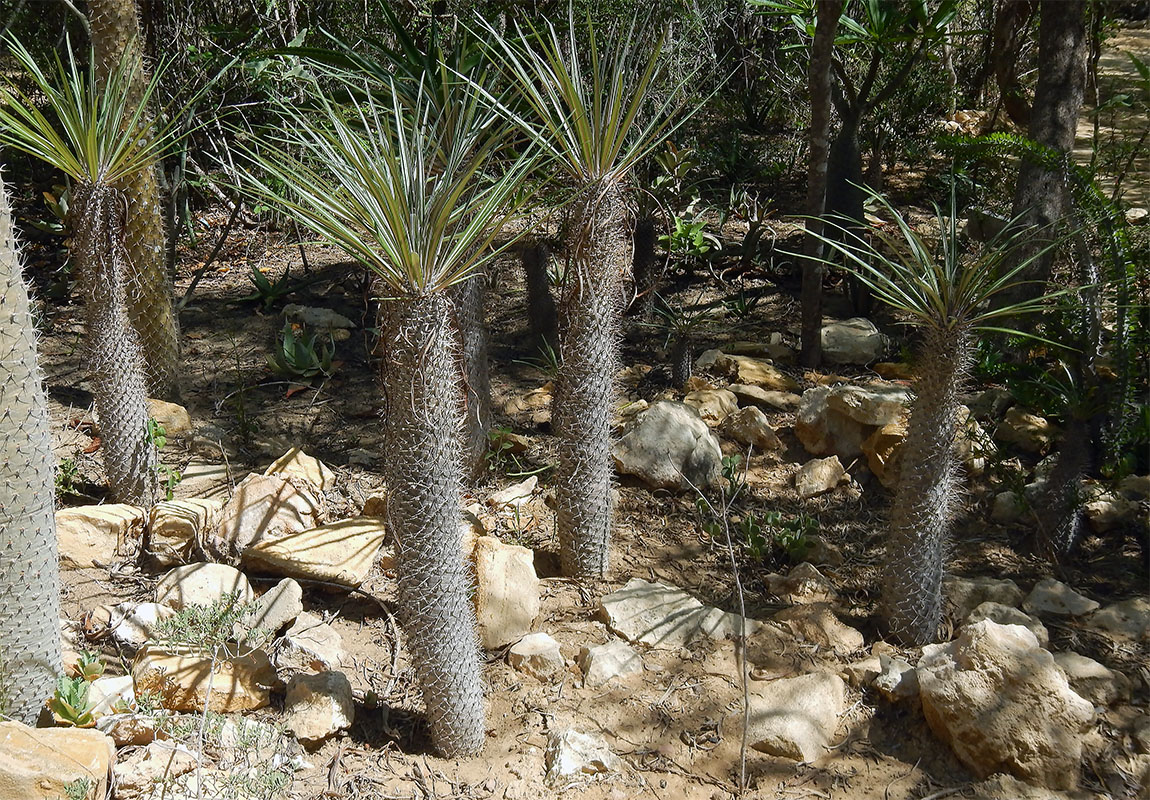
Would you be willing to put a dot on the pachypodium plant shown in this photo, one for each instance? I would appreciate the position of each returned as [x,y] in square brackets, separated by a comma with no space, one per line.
[30,658]
[593,113]
[371,179]
[95,142]
[949,295]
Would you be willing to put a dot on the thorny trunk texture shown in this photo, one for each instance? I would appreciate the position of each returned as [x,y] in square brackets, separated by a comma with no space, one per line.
[116,32]
[645,268]
[1059,515]
[589,310]
[819,85]
[1039,195]
[682,360]
[927,493]
[469,297]
[97,215]
[423,422]
[541,314]
[29,578]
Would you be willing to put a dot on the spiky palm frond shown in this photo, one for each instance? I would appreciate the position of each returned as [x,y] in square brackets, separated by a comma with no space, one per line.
[96,138]
[374,181]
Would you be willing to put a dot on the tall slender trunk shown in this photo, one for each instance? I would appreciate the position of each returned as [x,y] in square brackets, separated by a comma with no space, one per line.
[541,313]
[115,37]
[420,378]
[926,497]
[644,266]
[113,349]
[29,576]
[1039,196]
[819,88]
[469,297]
[589,310]
[845,194]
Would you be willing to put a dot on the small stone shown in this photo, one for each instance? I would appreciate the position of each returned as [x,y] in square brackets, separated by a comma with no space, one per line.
[765,398]
[295,463]
[507,599]
[95,536]
[572,754]
[204,480]
[820,551]
[713,405]
[1027,431]
[311,644]
[135,729]
[897,680]
[1007,508]
[875,404]
[670,447]
[894,370]
[991,404]
[132,625]
[516,495]
[537,655]
[263,507]
[274,610]
[854,341]
[41,763]
[147,773]
[659,615]
[1137,216]
[1056,599]
[340,552]
[862,672]
[1107,512]
[749,426]
[815,622]
[1094,681]
[819,475]
[174,418]
[1008,615]
[752,371]
[176,529]
[1128,619]
[203,584]
[803,584]
[1140,733]
[109,692]
[321,320]
[795,717]
[318,706]
[616,659]
[966,594]
[181,676]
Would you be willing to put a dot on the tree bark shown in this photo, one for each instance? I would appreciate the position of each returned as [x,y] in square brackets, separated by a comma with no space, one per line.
[116,39]
[541,314]
[29,576]
[819,88]
[420,377]
[470,318]
[1008,38]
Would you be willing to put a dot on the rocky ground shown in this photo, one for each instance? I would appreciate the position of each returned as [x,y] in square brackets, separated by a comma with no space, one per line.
[629,687]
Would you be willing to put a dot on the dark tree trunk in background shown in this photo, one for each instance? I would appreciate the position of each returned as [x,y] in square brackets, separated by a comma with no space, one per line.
[541,314]
[644,266]
[1039,196]
[1009,35]
[845,194]
[819,87]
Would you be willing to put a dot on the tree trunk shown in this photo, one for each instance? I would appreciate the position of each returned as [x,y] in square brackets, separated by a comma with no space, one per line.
[470,318]
[927,494]
[845,195]
[682,361]
[29,576]
[113,349]
[819,88]
[585,388]
[420,377]
[644,266]
[1009,33]
[1039,196]
[541,314]
[115,37]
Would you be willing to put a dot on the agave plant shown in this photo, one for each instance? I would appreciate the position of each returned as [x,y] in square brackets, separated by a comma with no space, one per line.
[949,295]
[594,119]
[29,575]
[96,144]
[373,181]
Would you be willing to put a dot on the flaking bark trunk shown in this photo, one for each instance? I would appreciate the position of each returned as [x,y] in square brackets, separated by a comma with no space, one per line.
[30,657]
[420,377]
[927,494]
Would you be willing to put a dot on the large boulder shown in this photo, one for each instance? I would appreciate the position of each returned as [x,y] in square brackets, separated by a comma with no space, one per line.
[670,447]
[262,507]
[192,679]
[295,463]
[203,584]
[795,717]
[853,341]
[91,536]
[340,552]
[837,420]
[883,448]
[1053,598]
[1003,705]
[1128,619]
[41,764]
[966,594]
[318,706]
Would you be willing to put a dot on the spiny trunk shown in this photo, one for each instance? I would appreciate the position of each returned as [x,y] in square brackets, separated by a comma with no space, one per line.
[541,314]
[927,494]
[682,361]
[819,86]
[420,378]
[29,577]
[585,388]
[113,349]
[1059,513]
[644,267]
[470,319]
[115,36]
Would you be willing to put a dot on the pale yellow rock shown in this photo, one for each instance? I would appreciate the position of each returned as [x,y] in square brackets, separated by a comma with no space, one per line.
[241,681]
[42,763]
[713,405]
[262,507]
[174,527]
[174,418]
[340,552]
[296,463]
[507,600]
[91,536]
[752,371]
